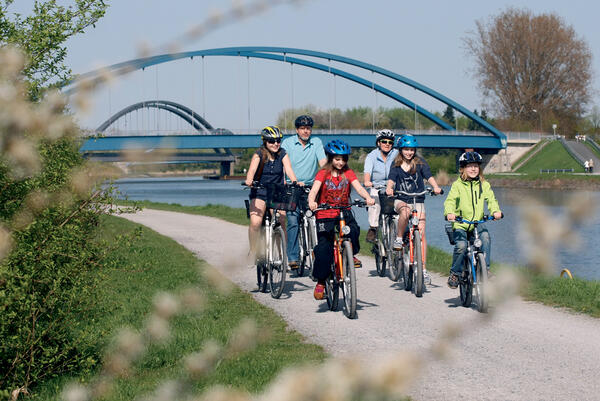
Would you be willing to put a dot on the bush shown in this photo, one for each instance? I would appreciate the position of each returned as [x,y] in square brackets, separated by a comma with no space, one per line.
[43,280]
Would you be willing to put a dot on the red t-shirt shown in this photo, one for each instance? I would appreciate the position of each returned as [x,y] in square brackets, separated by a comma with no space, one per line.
[335,191]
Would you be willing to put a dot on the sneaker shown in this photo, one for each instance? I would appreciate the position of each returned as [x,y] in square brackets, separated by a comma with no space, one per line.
[398,244]
[490,274]
[371,235]
[357,263]
[319,292]
[453,280]
[426,278]
[293,264]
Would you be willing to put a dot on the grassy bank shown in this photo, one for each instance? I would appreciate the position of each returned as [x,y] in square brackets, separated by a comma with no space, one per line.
[124,297]
[578,295]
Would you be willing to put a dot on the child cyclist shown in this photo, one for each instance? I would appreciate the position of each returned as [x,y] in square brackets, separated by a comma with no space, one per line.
[466,199]
[408,174]
[332,185]
[267,166]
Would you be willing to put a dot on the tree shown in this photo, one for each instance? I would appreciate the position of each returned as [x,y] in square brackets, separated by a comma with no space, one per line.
[527,62]
[42,34]
[449,115]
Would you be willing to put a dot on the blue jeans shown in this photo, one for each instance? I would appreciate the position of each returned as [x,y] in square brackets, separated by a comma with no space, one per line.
[460,249]
[293,248]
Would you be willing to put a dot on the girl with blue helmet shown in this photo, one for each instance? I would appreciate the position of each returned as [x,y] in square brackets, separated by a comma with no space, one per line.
[409,174]
[332,185]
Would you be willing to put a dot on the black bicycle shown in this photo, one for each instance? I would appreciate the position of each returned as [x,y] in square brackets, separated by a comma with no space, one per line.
[307,235]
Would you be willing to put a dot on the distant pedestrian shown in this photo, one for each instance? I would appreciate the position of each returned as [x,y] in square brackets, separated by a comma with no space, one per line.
[586,166]
[591,165]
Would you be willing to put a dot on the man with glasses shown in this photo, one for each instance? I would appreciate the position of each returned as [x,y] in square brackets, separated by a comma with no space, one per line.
[376,171]
[307,156]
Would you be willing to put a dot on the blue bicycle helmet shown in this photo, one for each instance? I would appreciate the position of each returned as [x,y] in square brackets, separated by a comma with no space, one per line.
[337,147]
[407,141]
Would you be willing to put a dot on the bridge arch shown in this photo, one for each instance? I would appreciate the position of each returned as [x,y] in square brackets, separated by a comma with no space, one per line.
[184,112]
[275,53]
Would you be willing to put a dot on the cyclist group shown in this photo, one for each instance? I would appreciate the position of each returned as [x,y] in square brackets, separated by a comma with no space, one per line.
[304,160]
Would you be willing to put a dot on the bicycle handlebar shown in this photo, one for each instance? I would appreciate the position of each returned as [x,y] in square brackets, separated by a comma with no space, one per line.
[356,202]
[428,190]
[459,219]
[258,185]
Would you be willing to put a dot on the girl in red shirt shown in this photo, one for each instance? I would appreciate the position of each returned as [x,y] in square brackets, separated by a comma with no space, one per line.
[332,186]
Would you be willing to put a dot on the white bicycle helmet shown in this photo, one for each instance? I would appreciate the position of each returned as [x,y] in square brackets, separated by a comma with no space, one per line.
[384,133]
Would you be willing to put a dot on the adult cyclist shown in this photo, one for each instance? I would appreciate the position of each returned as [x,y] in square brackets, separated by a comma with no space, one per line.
[376,172]
[307,155]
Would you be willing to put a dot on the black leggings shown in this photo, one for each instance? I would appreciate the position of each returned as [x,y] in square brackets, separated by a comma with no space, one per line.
[324,248]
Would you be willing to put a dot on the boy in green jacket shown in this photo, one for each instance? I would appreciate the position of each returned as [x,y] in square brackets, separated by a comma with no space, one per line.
[466,199]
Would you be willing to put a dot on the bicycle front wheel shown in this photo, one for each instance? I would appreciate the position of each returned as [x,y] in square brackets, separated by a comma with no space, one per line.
[261,275]
[380,260]
[349,287]
[418,269]
[466,283]
[303,247]
[482,284]
[332,292]
[278,263]
[394,257]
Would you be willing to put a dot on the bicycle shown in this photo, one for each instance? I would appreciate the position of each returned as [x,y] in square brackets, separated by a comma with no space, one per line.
[307,236]
[412,256]
[383,249]
[475,271]
[272,265]
[343,275]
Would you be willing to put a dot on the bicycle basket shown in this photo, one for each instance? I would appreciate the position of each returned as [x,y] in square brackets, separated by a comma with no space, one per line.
[450,233]
[387,203]
[282,197]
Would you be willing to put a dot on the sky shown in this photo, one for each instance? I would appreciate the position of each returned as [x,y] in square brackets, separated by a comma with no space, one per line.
[419,40]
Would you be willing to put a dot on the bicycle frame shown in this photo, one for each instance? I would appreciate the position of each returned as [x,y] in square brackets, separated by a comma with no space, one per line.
[474,244]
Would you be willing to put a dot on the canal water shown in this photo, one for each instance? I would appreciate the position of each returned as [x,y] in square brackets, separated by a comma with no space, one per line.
[507,238]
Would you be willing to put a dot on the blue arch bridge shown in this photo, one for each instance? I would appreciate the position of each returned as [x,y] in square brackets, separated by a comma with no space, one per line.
[193,146]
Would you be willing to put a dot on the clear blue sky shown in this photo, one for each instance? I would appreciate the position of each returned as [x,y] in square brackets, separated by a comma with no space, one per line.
[420,40]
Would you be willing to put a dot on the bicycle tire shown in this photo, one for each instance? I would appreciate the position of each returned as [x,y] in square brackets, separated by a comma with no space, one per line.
[332,293]
[418,281]
[380,261]
[278,265]
[393,256]
[466,283]
[408,268]
[482,284]
[349,286]
[303,247]
[261,276]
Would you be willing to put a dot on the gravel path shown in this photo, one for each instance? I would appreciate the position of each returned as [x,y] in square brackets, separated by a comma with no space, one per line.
[525,352]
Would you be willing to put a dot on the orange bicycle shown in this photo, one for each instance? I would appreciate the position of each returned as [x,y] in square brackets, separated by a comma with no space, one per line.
[342,274]
[412,256]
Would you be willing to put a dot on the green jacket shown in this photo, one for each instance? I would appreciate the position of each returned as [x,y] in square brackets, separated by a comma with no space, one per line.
[466,199]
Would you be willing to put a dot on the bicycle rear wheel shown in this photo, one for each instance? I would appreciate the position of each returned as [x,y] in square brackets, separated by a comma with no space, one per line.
[332,293]
[482,284]
[466,283]
[278,264]
[349,286]
[419,284]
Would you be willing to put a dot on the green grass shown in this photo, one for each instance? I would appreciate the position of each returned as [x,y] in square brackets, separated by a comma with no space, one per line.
[530,151]
[578,295]
[553,156]
[124,298]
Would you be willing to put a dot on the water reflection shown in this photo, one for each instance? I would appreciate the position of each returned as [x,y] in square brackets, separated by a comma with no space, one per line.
[506,239]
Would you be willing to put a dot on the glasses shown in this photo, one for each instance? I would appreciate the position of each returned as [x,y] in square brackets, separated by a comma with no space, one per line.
[273,140]
[386,141]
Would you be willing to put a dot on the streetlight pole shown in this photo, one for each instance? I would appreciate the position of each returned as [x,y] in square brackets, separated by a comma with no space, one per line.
[540,115]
